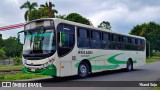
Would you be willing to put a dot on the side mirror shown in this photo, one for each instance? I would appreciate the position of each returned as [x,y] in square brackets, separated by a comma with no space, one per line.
[18,36]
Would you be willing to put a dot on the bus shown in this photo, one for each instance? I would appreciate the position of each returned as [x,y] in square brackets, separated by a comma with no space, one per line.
[61,48]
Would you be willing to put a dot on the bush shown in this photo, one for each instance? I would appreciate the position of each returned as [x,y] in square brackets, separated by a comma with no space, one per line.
[17,60]
[2,54]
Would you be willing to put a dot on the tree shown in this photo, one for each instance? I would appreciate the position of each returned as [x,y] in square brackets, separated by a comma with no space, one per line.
[151,31]
[105,25]
[61,16]
[51,12]
[0,36]
[29,6]
[2,54]
[12,47]
[77,18]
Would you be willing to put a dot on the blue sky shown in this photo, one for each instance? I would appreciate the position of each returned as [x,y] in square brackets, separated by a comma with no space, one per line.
[122,14]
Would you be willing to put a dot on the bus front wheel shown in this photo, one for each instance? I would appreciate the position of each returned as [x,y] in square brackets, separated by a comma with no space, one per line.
[83,70]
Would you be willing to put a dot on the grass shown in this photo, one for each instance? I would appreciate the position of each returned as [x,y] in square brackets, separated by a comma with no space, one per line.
[20,76]
[156,88]
[10,67]
[152,59]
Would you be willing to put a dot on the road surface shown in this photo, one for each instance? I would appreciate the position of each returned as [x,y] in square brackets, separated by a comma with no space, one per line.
[148,72]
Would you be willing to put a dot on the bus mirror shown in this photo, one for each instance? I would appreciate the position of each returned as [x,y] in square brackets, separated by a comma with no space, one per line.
[18,36]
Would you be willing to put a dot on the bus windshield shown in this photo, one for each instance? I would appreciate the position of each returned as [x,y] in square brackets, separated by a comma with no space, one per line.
[40,41]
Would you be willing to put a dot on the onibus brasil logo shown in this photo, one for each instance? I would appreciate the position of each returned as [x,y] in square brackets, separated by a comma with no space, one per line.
[20,84]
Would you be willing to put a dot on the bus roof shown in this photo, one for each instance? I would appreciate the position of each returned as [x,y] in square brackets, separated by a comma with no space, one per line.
[86,26]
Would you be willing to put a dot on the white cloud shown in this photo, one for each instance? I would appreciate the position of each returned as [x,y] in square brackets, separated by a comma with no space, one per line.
[122,14]
[145,14]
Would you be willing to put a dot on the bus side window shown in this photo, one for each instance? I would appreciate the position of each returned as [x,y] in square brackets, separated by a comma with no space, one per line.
[83,38]
[115,43]
[126,42]
[105,40]
[96,40]
[143,45]
[132,43]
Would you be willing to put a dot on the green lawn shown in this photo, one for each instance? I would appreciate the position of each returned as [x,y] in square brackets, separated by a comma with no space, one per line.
[157,88]
[152,59]
[20,76]
[10,67]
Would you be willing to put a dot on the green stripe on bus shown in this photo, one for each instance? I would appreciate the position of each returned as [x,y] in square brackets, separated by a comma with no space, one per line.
[104,67]
[111,60]
[115,61]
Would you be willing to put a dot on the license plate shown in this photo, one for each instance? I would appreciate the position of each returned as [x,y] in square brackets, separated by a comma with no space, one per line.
[33,70]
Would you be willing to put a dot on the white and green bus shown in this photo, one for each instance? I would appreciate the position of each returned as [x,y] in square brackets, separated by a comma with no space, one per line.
[61,48]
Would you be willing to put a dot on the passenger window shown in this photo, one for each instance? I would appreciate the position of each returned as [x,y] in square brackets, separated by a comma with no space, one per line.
[96,40]
[132,40]
[116,38]
[125,39]
[105,41]
[83,38]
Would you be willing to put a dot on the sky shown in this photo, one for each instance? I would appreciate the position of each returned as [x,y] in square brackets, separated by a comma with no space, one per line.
[123,15]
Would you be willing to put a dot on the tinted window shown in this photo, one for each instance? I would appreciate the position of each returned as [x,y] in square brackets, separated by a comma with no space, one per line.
[125,39]
[83,33]
[132,40]
[105,36]
[96,35]
[66,34]
[116,38]
[105,40]
[83,38]
[139,42]
[66,28]
[96,39]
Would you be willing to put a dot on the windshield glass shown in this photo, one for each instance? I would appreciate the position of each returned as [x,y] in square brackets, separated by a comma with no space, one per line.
[40,41]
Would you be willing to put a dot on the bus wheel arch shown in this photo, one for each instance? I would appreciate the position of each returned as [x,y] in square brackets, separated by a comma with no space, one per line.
[129,65]
[87,66]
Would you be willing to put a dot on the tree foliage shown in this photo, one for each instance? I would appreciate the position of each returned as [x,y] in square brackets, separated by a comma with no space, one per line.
[151,31]
[0,36]
[105,25]
[47,7]
[61,16]
[10,47]
[75,17]
[42,12]
[2,54]
[29,6]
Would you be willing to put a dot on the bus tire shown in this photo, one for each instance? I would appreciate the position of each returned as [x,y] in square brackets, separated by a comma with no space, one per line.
[129,65]
[83,70]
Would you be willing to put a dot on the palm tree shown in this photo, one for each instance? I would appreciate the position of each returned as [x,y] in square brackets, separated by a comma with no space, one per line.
[51,12]
[29,6]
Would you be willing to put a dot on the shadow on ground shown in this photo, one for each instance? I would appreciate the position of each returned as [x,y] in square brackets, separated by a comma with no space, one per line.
[93,75]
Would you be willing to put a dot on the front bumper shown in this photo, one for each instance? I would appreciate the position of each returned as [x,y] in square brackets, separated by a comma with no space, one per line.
[49,70]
